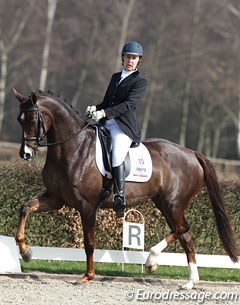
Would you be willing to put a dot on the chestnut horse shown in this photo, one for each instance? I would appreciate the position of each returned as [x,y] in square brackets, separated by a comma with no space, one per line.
[72,178]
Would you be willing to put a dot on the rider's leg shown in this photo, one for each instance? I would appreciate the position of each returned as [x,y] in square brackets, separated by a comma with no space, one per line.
[120,147]
[119,203]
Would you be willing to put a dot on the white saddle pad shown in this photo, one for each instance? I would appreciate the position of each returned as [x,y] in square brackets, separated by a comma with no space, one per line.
[140,159]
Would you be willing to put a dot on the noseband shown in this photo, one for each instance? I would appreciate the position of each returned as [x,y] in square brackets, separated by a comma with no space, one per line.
[41,131]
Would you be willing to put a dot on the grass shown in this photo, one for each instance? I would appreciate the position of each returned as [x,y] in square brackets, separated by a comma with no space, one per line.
[105,269]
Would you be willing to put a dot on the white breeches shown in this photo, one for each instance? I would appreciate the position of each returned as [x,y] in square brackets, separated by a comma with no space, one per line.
[120,142]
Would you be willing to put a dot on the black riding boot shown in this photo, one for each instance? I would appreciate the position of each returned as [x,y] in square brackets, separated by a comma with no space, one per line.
[119,203]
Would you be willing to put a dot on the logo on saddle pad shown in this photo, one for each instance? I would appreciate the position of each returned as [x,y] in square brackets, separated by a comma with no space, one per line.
[138,163]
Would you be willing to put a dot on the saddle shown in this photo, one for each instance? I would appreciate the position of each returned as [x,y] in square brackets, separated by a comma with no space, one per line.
[138,163]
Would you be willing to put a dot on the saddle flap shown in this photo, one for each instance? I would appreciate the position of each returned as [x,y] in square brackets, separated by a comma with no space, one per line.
[138,163]
[106,144]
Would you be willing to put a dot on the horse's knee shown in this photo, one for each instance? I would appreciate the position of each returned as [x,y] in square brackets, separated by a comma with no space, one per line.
[28,207]
[24,209]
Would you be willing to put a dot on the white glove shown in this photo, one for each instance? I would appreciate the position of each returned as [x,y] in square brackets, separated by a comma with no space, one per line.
[98,115]
[89,110]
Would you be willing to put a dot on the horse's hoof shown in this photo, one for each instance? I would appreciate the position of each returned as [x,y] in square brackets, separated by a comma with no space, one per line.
[151,269]
[27,255]
[188,285]
[86,278]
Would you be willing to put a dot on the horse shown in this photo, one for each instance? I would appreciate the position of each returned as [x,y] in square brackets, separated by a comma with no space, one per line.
[72,178]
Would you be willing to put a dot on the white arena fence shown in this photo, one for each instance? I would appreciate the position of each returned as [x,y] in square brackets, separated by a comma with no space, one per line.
[131,257]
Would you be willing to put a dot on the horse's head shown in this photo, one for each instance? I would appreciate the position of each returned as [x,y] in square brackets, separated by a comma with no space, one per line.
[30,119]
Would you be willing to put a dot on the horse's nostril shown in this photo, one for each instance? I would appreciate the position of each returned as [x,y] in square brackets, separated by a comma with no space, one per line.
[27,156]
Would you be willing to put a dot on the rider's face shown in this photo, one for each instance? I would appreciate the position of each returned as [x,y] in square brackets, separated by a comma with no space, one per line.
[130,62]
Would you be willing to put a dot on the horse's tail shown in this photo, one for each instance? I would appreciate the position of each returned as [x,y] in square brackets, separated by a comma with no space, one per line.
[222,221]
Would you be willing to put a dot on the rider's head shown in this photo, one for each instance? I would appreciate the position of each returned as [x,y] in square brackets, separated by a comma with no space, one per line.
[132,53]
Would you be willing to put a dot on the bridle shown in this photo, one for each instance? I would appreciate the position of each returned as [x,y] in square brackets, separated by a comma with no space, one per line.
[41,131]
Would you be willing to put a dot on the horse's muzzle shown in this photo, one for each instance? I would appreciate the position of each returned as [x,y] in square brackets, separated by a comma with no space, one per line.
[27,153]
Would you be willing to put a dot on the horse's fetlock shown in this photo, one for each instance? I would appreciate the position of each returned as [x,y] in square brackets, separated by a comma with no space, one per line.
[19,239]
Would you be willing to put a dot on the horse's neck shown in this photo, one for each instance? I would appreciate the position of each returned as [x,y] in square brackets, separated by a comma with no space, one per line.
[64,122]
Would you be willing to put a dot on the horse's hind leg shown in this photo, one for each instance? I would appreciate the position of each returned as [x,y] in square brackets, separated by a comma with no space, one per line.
[187,243]
[42,203]
[174,220]
[179,226]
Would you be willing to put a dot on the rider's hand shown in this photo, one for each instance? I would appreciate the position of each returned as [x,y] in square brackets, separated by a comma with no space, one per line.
[98,115]
[89,110]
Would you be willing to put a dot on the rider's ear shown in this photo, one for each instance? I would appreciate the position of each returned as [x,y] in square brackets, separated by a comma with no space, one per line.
[18,95]
[33,98]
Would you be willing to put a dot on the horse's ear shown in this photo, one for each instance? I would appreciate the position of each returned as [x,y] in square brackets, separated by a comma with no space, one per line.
[18,95]
[33,98]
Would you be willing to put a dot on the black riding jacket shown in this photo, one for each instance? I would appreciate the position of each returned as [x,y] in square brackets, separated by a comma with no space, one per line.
[121,100]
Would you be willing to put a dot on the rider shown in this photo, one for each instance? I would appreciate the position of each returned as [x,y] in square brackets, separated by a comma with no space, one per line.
[118,112]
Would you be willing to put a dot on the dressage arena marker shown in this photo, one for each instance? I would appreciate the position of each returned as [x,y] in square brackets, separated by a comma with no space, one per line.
[9,258]
[133,233]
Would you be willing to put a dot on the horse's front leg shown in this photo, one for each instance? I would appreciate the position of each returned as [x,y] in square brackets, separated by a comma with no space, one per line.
[42,203]
[88,223]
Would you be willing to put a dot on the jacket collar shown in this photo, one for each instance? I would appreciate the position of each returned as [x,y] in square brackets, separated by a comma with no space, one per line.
[133,74]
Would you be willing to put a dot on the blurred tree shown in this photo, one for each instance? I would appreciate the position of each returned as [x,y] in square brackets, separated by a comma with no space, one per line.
[7,44]
[52,4]
[235,12]
[153,80]
[191,60]
[124,31]
[189,73]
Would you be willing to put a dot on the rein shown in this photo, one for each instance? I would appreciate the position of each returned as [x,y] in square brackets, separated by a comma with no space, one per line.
[41,144]
[39,137]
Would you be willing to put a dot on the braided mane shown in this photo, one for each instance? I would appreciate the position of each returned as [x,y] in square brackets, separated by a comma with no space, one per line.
[56,96]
